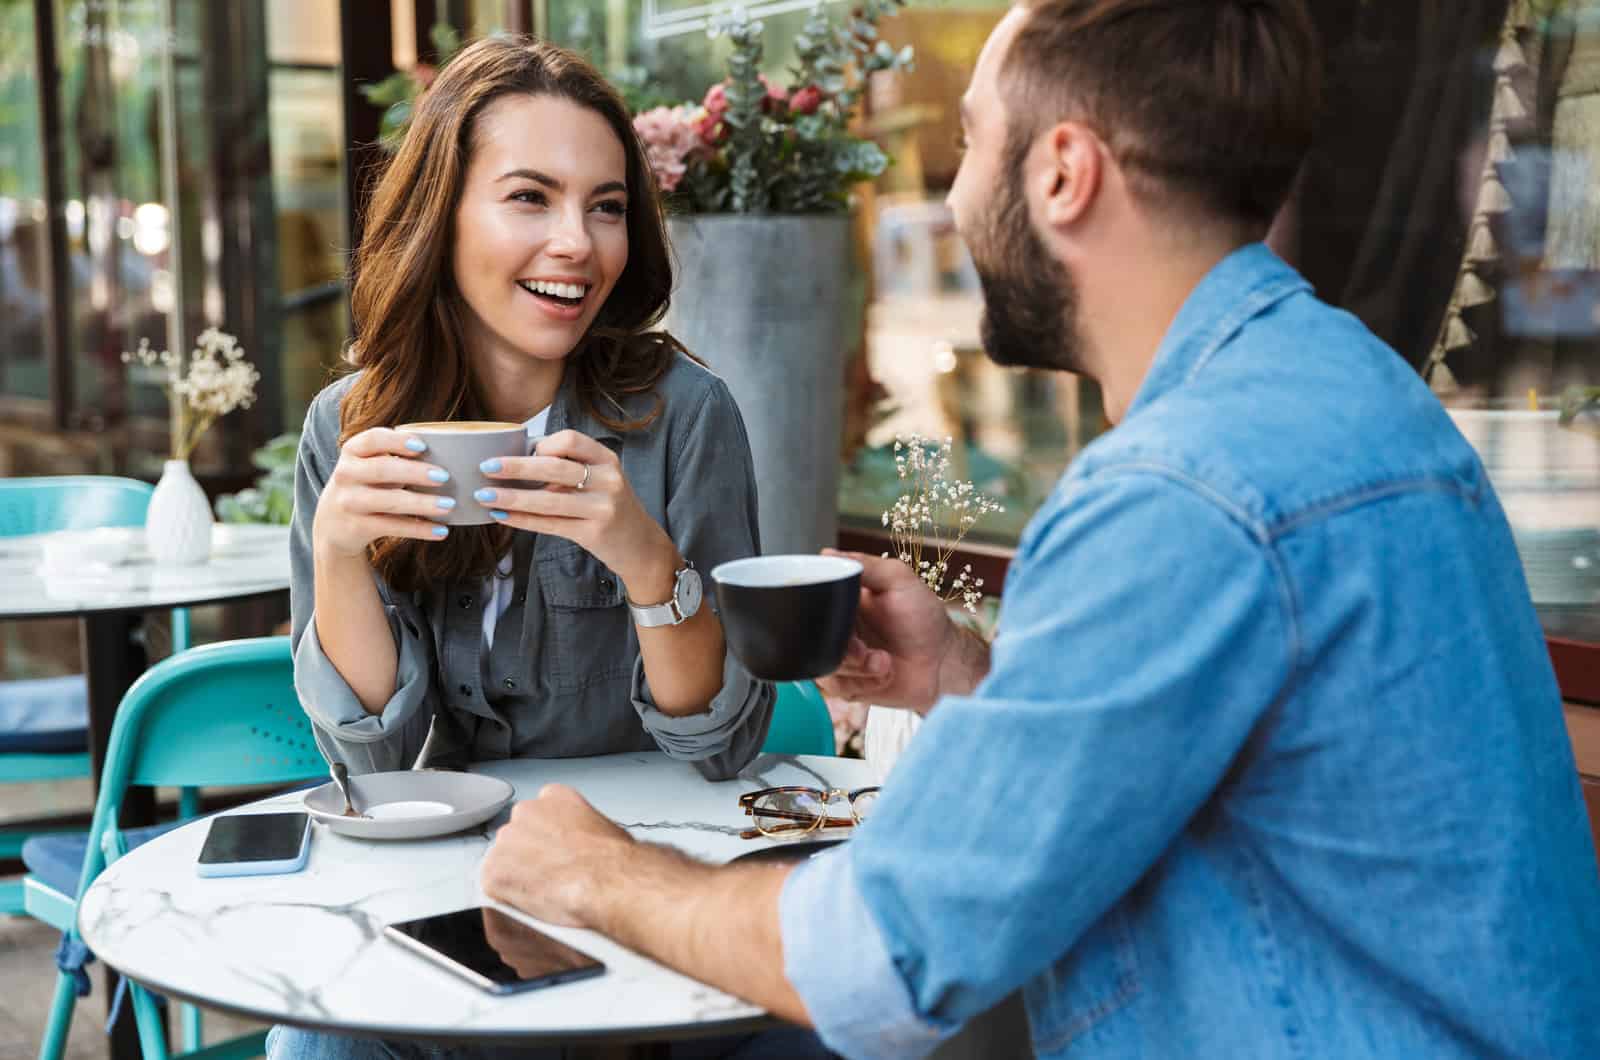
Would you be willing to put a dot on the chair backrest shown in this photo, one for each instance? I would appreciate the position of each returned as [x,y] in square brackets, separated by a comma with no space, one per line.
[218,715]
[801,724]
[71,502]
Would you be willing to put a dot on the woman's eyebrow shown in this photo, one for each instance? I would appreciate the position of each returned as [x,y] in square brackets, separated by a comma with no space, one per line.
[556,185]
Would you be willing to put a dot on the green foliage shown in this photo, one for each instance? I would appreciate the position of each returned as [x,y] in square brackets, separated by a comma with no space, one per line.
[271,499]
[398,92]
[775,157]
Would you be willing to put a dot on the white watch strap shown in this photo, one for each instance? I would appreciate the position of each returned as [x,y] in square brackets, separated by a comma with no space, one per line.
[655,614]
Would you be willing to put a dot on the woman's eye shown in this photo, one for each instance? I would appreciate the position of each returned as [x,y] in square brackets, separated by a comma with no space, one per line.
[530,196]
[614,207]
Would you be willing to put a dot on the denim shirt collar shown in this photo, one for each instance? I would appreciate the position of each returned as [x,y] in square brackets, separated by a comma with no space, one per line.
[1241,286]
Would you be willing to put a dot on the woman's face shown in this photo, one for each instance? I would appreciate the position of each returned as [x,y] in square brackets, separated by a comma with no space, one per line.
[541,231]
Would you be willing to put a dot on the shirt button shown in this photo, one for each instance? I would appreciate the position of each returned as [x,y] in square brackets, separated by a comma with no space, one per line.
[605,585]
[465,602]
[509,683]
[521,598]
[466,690]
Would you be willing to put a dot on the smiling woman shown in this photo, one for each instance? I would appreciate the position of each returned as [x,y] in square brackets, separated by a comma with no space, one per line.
[514,271]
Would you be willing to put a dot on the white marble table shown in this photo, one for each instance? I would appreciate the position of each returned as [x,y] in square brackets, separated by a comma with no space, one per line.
[109,601]
[245,561]
[308,949]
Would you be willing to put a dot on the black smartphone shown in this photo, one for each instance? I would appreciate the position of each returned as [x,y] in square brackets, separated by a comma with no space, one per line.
[493,951]
[255,844]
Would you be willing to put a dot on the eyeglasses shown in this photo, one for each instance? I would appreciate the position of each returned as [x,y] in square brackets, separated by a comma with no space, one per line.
[783,813]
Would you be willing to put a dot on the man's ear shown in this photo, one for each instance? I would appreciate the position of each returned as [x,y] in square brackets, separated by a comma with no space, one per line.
[1069,169]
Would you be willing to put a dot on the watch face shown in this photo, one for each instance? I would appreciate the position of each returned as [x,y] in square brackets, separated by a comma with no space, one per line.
[689,592]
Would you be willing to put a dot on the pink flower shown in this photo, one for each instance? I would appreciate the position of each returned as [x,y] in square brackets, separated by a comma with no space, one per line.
[776,98]
[710,127]
[671,138]
[806,101]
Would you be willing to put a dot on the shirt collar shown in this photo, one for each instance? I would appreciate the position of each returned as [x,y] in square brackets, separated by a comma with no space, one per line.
[1240,287]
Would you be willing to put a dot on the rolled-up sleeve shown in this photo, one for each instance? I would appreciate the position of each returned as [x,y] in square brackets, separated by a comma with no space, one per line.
[711,517]
[856,998]
[366,743]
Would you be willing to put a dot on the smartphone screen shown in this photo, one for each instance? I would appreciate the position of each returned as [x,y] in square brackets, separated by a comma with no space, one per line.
[496,952]
[242,838]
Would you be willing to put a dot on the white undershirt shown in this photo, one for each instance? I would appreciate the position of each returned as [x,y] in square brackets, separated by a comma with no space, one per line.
[497,589]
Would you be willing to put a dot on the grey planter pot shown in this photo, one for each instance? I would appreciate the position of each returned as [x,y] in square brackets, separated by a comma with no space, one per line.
[763,300]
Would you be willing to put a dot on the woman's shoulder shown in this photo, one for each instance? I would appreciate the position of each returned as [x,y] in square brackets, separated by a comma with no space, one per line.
[322,417]
[688,386]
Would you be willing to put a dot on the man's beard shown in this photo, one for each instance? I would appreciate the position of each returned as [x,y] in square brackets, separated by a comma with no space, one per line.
[1030,317]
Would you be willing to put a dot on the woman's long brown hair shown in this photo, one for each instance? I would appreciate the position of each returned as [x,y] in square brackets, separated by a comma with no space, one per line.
[409,316]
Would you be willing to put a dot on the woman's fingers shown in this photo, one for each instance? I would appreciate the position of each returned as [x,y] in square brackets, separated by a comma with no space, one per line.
[389,470]
[577,447]
[557,471]
[405,526]
[378,500]
[375,441]
[565,505]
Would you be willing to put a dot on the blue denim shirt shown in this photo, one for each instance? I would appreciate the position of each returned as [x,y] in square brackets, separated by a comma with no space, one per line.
[1270,761]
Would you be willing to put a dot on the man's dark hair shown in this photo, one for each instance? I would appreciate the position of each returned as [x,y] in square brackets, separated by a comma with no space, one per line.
[1208,103]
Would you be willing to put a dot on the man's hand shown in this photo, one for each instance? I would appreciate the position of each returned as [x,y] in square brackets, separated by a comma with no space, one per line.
[906,651]
[552,856]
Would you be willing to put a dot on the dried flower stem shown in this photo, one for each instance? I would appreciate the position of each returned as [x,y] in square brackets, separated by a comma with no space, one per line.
[928,523]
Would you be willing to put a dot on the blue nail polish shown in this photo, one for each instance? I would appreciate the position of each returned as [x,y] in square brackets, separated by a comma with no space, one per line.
[446,503]
[440,531]
[416,445]
[439,474]
[490,466]
[498,514]
[484,495]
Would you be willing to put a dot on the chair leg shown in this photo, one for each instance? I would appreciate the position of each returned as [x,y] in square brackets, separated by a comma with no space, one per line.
[152,1031]
[193,1033]
[54,1044]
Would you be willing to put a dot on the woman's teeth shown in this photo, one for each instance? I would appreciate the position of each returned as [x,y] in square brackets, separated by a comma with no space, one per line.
[570,292]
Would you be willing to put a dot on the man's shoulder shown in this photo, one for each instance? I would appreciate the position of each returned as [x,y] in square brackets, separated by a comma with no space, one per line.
[1302,408]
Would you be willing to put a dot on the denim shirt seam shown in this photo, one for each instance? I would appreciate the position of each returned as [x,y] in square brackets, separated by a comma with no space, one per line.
[1252,305]
[1365,494]
[1259,532]
[1272,954]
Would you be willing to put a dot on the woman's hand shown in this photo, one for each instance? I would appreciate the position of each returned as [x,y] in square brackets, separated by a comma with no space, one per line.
[588,501]
[366,496]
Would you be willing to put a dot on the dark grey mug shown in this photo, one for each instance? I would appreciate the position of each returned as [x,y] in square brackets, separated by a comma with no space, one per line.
[459,446]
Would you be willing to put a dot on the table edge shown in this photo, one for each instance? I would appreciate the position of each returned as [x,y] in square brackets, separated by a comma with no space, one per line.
[120,609]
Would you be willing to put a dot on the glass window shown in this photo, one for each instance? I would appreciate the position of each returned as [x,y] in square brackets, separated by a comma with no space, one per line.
[24,283]
[306,129]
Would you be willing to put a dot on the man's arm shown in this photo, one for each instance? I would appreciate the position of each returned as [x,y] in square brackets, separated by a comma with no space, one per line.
[719,925]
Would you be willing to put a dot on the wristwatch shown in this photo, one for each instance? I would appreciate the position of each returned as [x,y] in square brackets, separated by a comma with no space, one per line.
[685,603]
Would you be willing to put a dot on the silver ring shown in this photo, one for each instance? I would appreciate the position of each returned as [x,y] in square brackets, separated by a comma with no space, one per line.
[584,481]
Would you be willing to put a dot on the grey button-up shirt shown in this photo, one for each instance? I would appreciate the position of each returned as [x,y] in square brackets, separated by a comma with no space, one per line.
[564,676]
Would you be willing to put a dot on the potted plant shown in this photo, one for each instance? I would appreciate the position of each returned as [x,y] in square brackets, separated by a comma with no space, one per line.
[758,179]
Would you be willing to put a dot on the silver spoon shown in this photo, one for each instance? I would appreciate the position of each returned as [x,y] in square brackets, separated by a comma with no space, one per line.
[341,777]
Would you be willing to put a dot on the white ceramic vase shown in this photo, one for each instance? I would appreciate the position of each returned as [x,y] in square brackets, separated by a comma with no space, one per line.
[177,525]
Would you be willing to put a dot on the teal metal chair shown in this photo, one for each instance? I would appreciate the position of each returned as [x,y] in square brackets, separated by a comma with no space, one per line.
[44,722]
[801,724]
[220,715]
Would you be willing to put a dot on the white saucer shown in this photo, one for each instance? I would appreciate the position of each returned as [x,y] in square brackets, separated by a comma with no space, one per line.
[411,804]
